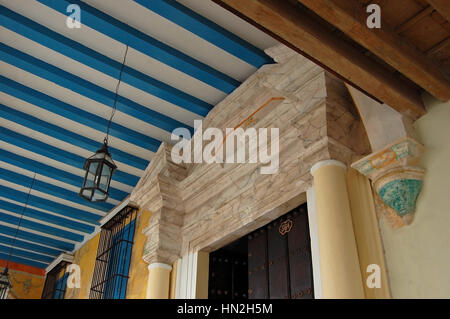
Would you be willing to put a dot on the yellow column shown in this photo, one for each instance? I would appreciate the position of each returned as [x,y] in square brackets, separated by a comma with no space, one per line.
[339,264]
[367,233]
[158,284]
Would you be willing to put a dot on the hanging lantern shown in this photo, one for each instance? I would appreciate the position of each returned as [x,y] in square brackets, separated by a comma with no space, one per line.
[5,284]
[99,170]
[100,167]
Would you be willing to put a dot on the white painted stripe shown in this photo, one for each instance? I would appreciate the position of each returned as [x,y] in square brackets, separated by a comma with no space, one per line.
[53,163]
[75,127]
[62,145]
[42,222]
[39,233]
[175,36]
[80,101]
[115,50]
[231,22]
[33,242]
[52,198]
[103,80]
[31,251]
[28,258]
[46,179]
[43,210]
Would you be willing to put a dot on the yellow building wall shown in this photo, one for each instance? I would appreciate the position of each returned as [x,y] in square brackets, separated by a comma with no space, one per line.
[85,258]
[137,284]
[25,285]
[418,255]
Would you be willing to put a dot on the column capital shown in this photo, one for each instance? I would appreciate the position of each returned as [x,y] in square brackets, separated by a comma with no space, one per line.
[330,162]
[160,265]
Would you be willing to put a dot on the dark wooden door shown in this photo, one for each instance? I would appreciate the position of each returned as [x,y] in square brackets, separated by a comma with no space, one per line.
[279,258]
[272,262]
[228,272]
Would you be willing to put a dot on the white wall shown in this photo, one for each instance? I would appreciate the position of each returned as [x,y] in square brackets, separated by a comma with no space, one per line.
[418,255]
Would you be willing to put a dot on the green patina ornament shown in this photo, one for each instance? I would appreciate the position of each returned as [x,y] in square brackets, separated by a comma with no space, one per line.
[401,195]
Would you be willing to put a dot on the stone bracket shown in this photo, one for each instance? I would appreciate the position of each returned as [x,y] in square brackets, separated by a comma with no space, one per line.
[396,175]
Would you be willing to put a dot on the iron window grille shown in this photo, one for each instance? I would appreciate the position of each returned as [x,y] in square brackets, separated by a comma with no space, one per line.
[56,282]
[112,264]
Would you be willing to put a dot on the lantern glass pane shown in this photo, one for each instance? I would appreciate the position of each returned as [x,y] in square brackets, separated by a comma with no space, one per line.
[93,167]
[99,196]
[105,178]
[87,193]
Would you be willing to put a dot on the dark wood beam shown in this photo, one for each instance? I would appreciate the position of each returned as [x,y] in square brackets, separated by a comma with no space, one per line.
[304,34]
[442,6]
[351,18]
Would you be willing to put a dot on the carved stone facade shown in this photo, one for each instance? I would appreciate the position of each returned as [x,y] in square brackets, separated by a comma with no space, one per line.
[205,206]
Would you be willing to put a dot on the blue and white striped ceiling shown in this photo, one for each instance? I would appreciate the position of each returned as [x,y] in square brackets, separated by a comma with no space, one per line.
[56,95]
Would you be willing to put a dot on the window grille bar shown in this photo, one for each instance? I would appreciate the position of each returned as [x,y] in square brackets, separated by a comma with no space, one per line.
[55,282]
[112,263]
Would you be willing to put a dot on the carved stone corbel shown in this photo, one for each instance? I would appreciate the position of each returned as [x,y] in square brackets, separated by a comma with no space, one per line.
[396,176]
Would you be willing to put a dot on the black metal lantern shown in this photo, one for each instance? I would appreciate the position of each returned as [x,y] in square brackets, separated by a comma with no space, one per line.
[99,170]
[5,284]
[100,166]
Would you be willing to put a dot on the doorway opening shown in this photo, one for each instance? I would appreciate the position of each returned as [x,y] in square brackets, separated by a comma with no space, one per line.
[272,262]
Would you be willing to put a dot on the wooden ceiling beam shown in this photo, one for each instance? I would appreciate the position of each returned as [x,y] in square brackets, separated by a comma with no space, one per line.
[351,18]
[441,6]
[295,28]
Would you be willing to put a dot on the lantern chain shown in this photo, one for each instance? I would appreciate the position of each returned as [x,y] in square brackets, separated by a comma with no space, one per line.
[115,96]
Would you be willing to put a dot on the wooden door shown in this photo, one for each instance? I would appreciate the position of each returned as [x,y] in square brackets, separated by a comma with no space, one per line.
[279,258]
[272,262]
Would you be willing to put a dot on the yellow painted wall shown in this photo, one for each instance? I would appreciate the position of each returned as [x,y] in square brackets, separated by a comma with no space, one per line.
[137,284]
[25,285]
[85,258]
[418,255]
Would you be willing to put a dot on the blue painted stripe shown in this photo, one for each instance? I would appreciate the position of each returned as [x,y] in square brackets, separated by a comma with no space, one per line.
[100,62]
[52,219]
[75,114]
[49,205]
[37,238]
[30,246]
[207,30]
[13,220]
[57,154]
[68,136]
[136,39]
[52,172]
[53,190]
[24,261]
[25,254]
[76,84]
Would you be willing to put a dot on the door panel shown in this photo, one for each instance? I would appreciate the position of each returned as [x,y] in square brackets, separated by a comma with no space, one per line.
[278,263]
[300,257]
[257,265]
